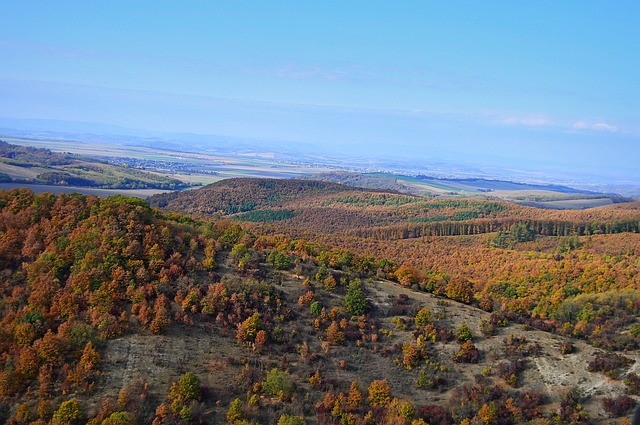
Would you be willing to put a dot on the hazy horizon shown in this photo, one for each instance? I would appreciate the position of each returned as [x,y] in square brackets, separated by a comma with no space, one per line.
[544,88]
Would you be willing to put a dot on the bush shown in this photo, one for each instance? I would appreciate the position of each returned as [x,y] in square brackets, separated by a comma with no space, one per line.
[435,415]
[423,317]
[355,300]
[189,386]
[235,413]
[463,332]
[609,364]
[633,384]
[316,308]
[432,376]
[379,393]
[487,328]
[68,413]
[119,418]
[468,353]
[516,346]
[618,406]
[567,348]
[509,370]
[571,410]
[291,420]
[184,391]
[277,381]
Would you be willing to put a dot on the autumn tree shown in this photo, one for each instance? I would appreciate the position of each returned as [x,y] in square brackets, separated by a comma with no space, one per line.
[248,329]
[69,413]
[334,334]
[379,393]
[235,413]
[463,333]
[355,396]
[184,391]
[460,290]
[423,317]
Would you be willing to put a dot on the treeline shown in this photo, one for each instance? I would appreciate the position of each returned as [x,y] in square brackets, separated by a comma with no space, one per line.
[107,182]
[27,156]
[266,216]
[463,227]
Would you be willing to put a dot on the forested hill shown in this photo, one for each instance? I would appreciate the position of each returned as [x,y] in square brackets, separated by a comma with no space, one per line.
[29,165]
[113,312]
[333,208]
[236,195]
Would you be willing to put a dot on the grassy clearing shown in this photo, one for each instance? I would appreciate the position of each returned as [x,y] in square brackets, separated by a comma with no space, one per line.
[578,204]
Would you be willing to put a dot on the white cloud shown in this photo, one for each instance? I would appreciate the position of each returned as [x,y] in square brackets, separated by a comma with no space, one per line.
[531,121]
[598,126]
[605,126]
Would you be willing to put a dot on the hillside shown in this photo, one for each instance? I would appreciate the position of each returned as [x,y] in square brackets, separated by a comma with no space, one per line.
[214,319]
[518,257]
[333,208]
[28,165]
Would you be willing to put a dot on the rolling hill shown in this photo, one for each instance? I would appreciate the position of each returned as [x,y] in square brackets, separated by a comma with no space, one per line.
[28,165]
[290,301]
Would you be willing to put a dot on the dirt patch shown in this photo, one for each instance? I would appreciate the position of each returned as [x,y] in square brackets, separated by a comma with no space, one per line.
[159,360]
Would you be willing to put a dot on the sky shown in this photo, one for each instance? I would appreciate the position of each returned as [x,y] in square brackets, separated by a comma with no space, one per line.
[545,85]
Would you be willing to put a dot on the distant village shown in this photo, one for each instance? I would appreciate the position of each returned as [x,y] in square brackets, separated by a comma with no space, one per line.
[167,167]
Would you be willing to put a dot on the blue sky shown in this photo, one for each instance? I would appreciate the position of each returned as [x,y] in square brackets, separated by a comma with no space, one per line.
[509,84]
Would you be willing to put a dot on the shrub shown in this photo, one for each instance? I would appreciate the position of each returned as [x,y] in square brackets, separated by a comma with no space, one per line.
[291,420]
[68,413]
[571,410]
[235,413]
[184,391]
[277,381]
[618,406]
[355,300]
[567,347]
[355,396]
[379,393]
[609,364]
[509,370]
[463,332]
[119,418]
[487,328]
[435,415]
[468,353]
[432,376]
[410,356]
[189,386]
[316,308]
[423,317]
[334,334]
[633,384]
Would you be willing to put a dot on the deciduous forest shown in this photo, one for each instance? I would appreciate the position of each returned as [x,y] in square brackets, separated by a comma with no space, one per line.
[287,301]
